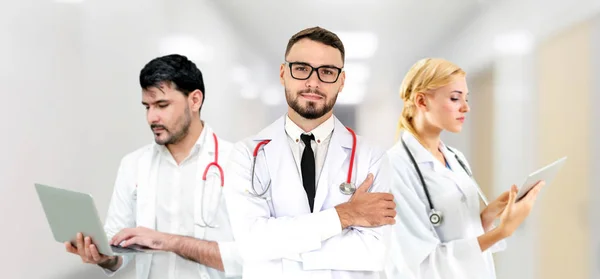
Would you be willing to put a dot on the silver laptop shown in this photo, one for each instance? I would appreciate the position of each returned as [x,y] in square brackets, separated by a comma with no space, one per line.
[69,212]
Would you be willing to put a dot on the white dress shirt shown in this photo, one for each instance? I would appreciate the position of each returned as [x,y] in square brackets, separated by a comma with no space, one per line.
[319,146]
[175,211]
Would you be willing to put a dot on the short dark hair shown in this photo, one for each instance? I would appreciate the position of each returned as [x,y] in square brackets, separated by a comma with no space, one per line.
[320,35]
[176,69]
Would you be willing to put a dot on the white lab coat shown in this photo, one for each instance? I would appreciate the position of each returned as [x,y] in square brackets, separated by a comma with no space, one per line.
[133,204]
[450,251]
[280,238]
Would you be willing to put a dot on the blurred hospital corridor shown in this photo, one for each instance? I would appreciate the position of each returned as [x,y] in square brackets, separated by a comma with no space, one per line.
[72,108]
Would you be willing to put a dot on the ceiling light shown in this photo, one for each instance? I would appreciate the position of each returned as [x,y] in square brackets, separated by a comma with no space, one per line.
[186,45]
[240,74]
[272,96]
[514,43]
[359,45]
[249,91]
[357,72]
[352,94]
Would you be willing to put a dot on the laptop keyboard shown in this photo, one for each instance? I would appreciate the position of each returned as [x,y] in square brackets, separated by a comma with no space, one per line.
[119,249]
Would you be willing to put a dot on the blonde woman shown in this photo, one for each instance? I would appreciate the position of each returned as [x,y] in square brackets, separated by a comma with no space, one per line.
[441,231]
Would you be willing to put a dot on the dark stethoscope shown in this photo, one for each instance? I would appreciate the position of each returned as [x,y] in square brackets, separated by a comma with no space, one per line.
[435,216]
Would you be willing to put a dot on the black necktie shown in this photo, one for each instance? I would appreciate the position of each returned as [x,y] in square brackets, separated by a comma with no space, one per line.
[307,165]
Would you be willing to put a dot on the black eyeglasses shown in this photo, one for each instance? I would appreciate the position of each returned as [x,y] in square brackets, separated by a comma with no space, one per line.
[303,71]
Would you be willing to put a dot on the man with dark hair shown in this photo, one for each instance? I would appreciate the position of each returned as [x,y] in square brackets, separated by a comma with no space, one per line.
[294,208]
[167,195]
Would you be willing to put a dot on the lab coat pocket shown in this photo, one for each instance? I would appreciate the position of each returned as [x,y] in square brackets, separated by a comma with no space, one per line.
[335,196]
[453,211]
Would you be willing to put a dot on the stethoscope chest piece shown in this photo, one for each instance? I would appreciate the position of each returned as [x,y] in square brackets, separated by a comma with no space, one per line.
[435,217]
[347,188]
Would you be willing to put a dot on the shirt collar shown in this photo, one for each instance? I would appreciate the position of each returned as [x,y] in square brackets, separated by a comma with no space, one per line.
[422,155]
[321,132]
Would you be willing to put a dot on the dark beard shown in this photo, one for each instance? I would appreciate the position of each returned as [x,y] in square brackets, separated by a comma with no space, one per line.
[179,134]
[310,111]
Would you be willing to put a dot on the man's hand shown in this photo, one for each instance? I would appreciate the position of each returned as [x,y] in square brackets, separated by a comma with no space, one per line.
[367,209]
[144,237]
[88,252]
[198,250]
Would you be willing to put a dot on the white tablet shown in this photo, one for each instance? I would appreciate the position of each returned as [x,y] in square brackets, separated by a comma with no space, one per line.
[546,173]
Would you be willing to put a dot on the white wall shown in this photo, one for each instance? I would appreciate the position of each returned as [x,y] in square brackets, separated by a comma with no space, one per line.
[69,76]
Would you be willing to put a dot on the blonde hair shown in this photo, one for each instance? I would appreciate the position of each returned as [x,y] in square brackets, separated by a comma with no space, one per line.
[425,75]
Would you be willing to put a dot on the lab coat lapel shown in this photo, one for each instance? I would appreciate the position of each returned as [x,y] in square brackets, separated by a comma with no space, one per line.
[274,149]
[457,174]
[338,152]
[422,155]
[286,182]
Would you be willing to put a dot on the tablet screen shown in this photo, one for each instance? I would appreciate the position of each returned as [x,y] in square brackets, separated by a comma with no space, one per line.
[546,174]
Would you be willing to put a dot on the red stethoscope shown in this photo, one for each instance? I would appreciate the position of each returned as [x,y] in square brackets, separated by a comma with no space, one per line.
[347,187]
[214,164]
